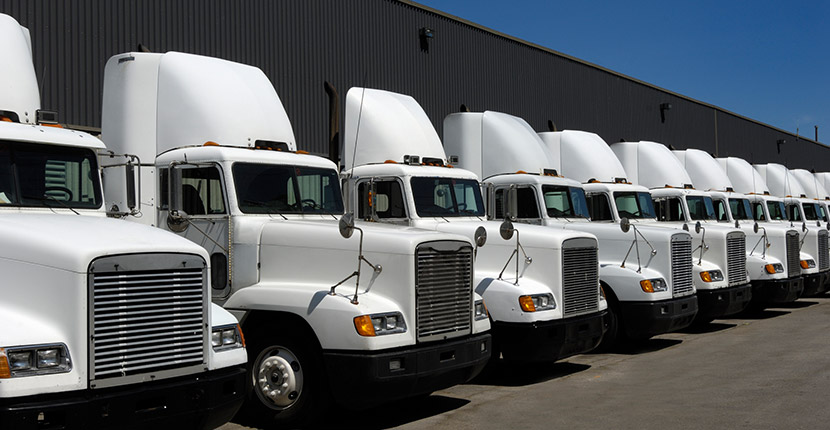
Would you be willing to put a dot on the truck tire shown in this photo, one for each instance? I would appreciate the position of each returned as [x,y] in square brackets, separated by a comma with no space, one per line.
[286,384]
[615,332]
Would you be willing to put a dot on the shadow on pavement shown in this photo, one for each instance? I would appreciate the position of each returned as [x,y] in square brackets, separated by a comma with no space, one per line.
[706,328]
[798,304]
[645,346]
[758,315]
[392,414]
[512,374]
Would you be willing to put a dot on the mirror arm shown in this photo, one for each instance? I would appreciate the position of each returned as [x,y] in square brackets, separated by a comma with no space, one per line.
[356,274]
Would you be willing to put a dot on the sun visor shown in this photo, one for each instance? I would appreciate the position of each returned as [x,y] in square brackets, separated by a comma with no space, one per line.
[582,156]
[705,172]
[19,92]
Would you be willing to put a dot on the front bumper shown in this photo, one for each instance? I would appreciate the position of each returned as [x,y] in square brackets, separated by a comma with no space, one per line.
[777,291]
[202,401]
[722,301]
[549,340]
[643,320]
[816,283]
[363,379]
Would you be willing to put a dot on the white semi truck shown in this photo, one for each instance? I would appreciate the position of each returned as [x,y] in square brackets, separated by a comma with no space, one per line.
[768,254]
[646,275]
[719,270]
[541,285]
[106,324]
[805,213]
[787,282]
[381,313]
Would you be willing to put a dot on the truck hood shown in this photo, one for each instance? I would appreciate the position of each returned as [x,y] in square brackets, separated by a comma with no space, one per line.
[71,242]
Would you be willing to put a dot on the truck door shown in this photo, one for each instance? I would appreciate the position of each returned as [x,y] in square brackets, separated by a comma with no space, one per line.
[206,222]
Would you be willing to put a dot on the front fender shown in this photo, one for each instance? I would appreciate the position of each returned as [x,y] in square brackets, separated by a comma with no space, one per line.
[502,298]
[625,283]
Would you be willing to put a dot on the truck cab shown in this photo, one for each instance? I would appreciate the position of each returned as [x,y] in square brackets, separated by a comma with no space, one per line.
[360,315]
[540,285]
[804,212]
[108,324]
[643,280]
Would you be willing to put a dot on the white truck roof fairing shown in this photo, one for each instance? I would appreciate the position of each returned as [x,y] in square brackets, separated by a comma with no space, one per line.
[389,126]
[812,185]
[651,164]
[704,170]
[823,179]
[140,88]
[512,145]
[745,179]
[582,156]
[19,92]
[780,181]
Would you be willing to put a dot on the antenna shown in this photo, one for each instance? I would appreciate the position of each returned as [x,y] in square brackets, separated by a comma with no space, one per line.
[359,115]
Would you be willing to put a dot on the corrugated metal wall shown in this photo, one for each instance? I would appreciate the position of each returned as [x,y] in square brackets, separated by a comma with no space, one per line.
[302,43]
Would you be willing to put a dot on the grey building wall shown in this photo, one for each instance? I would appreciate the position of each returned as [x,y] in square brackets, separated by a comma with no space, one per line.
[300,44]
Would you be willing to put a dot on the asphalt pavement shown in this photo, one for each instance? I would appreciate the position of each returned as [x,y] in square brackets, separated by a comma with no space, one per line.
[767,371]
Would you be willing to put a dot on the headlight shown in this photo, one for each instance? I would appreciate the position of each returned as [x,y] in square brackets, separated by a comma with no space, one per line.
[711,276]
[537,302]
[33,360]
[227,337]
[380,324]
[481,310]
[654,285]
[774,268]
[601,294]
[808,264]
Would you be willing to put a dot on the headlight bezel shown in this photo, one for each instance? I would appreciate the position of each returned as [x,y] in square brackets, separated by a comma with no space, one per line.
[226,337]
[380,324]
[775,267]
[537,302]
[654,285]
[808,263]
[40,359]
[711,276]
[480,311]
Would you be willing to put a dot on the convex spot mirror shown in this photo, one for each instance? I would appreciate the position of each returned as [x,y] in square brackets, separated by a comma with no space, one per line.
[480,236]
[697,227]
[804,226]
[755,228]
[506,229]
[625,225]
[346,225]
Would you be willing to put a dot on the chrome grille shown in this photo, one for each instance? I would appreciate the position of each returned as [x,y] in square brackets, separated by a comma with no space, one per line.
[823,257]
[147,316]
[443,289]
[580,278]
[736,258]
[793,254]
[681,265]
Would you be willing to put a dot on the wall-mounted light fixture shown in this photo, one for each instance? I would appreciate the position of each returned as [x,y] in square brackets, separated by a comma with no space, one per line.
[663,108]
[424,35]
[780,142]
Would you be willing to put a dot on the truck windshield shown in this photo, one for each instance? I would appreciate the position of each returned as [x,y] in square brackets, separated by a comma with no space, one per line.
[700,208]
[741,209]
[274,189]
[776,211]
[53,176]
[566,202]
[634,204]
[811,211]
[447,197]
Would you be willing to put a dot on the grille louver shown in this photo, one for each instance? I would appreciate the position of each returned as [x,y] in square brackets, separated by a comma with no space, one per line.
[444,290]
[146,317]
[736,258]
[793,254]
[681,265]
[823,257]
[580,278]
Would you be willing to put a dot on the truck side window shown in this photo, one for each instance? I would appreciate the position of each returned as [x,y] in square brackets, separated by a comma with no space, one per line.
[526,202]
[389,199]
[720,210]
[758,211]
[202,191]
[668,209]
[599,208]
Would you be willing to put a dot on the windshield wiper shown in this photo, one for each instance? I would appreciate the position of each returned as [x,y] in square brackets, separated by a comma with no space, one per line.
[46,198]
[269,210]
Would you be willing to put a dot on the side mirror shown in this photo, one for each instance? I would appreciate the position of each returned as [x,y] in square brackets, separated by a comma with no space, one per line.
[511,204]
[737,224]
[367,202]
[506,229]
[697,227]
[818,224]
[804,226]
[346,225]
[625,225]
[491,201]
[755,228]
[685,226]
[480,236]
[129,172]
[174,191]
